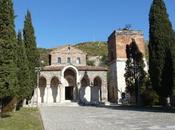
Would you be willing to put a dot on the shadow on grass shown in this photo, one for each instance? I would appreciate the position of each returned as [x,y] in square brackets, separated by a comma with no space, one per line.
[158,109]
[4,115]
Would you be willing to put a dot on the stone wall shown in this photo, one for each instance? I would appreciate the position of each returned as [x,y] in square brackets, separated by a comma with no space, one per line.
[112,47]
[68,52]
[125,37]
[112,80]
[118,40]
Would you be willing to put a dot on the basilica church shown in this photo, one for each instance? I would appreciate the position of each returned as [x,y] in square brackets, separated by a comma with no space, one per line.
[69,79]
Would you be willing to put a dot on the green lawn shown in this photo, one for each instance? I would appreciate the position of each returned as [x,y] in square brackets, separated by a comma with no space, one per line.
[25,119]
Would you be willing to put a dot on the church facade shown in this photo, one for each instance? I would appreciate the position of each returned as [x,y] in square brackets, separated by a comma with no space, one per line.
[69,79]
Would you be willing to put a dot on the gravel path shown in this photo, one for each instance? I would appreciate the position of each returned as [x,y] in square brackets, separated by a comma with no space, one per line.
[98,118]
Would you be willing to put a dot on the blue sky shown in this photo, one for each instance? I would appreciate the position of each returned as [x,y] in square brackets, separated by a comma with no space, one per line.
[59,22]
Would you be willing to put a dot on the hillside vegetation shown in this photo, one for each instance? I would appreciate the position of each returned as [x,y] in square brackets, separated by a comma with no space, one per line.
[44,56]
[93,48]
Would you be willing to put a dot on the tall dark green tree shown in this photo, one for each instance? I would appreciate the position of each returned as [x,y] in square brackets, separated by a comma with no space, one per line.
[8,67]
[31,49]
[135,75]
[173,52]
[23,70]
[129,73]
[160,54]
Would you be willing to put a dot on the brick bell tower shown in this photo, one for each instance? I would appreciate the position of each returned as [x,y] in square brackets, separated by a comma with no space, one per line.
[117,42]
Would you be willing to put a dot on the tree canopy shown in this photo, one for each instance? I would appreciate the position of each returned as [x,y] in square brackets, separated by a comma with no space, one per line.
[23,70]
[134,70]
[8,67]
[31,49]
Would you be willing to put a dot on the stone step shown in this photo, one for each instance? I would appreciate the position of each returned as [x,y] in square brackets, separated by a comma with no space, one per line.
[60,104]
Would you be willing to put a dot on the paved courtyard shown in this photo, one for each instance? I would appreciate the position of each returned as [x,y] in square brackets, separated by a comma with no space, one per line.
[98,118]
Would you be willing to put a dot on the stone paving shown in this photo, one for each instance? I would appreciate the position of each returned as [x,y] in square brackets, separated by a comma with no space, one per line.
[100,118]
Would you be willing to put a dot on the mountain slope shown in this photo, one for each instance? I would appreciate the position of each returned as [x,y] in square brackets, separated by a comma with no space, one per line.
[93,48]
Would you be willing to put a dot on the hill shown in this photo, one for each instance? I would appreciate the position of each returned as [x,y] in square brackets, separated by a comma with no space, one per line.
[44,56]
[93,48]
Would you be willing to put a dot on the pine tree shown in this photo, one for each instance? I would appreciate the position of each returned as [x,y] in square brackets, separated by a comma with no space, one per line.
[8,67]
[23,70]
[31,49]
[160,57]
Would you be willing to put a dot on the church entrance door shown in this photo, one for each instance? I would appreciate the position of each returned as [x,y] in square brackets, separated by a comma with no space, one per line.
[69,93]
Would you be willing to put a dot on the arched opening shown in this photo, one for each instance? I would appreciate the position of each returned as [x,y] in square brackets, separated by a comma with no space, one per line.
[54,88]
[71,91]
[42,86]
[85,89]
[96,90]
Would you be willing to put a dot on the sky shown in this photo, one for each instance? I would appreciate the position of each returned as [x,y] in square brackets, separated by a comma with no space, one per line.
[60,22]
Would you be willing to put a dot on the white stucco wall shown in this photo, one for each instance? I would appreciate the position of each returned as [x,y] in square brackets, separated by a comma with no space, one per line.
[117,79]
[121,63]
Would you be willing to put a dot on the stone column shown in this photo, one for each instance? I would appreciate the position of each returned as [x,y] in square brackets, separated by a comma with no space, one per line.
[104,95]
[104,91]
[78,91]
[37,95]
[62,93]
[59,93]
[48,90]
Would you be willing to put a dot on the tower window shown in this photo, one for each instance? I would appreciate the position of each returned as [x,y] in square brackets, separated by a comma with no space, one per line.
[78,60]
[68,60]
[59,60]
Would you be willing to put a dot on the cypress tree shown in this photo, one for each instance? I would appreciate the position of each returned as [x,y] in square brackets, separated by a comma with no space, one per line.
[8,67]
[135,75]
[160,57]
[31,49]
[129,73]
[23,70]
[173,57]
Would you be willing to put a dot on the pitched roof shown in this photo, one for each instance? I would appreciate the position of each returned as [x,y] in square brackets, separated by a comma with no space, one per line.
[65,46]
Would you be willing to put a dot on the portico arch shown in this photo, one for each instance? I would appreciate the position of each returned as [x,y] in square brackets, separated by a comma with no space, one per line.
[96,90]
[42,86]
[70,74]
[54,88]
[85,92]
[73,68]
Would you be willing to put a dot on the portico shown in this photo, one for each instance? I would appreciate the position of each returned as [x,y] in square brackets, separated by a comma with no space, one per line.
[71,85]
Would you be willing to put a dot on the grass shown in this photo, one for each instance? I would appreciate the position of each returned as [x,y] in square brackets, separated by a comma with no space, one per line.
[25,119]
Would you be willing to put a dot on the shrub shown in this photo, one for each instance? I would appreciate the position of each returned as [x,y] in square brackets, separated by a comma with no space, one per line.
[90,63]
[9,104]
[149,97]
